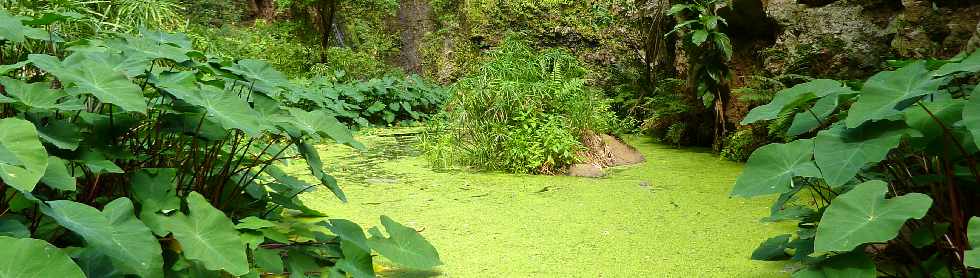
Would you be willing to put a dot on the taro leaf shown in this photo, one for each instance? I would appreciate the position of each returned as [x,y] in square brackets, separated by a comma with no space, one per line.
[35,95]
[99,166]
[802,248]
[699,37]
[23,159]
[771,168]
[851,265]
[269,260]
[312,158]
[377,106]
[61,134]
[357,261]
[57,176]
[404,246]
[863,215]
[349,231]
[156,190]
[946,111]
[793,97]
[841,153]
[254,223]
[107,84]
[264,78]
[208,236]
[95,264]
[27,257]
[972,257]
[11,27]
[226,108]
[129,65]
[48,18]
[148,50]
[888,92]
[970,64]
[809,120]
[323,124]
[4,69]
[971,115]
[773,249]
[161,37]
[114,231]
[300,263]
[13,228]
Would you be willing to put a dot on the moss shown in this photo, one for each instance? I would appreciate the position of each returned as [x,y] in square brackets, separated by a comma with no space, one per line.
[670,215]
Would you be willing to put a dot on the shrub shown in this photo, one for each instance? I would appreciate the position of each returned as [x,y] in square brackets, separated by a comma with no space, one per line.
[888,184]
[381,101]
[139,156]
[523,111]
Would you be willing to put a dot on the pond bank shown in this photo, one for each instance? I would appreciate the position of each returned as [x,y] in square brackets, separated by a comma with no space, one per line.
[667,217]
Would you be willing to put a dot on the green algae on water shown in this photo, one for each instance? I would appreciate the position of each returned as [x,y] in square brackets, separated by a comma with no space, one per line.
[668,217]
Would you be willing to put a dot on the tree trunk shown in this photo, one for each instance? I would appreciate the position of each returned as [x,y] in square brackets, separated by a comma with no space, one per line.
[262,9]
[327,10]
[413,21]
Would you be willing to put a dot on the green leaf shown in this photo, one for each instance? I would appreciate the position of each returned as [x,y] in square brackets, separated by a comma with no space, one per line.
[61,134]
[699,37]
[114,231]
[92,77]
[349,231]
[11,28]
[265,78]
[300,263]
[269,260]
[794,96]
[23,159]
[863,215]
[841,153]
[149,50]
[37,95]
[4,69]
[27,257]
[808,120]
[971,115]
[970,65]
[377,106]
[972,257]
[312,158]
[155,189]
[888,92]
[13,228]
[357,261]
[57,176]
[851,265]
[208,236]
[947,111]
[254,223]
[927,234]
[225,108]
[404,246]
[773,249]
[771,168]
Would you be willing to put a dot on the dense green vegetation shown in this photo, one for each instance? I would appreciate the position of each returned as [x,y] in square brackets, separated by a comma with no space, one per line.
[173,138]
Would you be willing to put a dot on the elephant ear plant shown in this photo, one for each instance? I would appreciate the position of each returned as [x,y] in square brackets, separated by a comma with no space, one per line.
[126,155]
[884,180]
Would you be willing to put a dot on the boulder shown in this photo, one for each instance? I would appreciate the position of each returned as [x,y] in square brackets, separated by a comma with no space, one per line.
[585,170]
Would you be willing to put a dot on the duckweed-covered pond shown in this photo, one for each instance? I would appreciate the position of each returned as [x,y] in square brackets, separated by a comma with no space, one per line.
[668,217]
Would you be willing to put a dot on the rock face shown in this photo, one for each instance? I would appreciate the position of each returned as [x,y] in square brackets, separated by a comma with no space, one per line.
[585,170]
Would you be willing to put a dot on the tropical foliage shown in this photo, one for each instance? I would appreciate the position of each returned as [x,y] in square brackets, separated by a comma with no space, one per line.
[523,112]
[133,154]
[884,178]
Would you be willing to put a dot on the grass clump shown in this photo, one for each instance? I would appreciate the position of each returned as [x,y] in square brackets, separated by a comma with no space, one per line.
[523,111]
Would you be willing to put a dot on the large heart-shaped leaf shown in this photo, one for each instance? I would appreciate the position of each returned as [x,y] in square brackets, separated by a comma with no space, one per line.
[793,97]
[57,176]
[972,257]
[771,168]
[11,27]
[61,133]
[28,257]
[971,115]
[208,236]
[225,108]
[970,64]
[92,77]
[404,246]
[851,265]
[263,77]
[115,232]
[947,111]
[37,95]
[863,215]
[23,159]
[312,158]
[841,152]
[129,65]
[888,92]
[148,50]
[806,121]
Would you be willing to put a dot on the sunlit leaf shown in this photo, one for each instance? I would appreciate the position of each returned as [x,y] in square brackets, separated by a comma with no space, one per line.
[57,176]
[971,115]
[972,257]
[115,232]
[841,153]
[208,236]
[792,97]
[771,168]
[863,215]
[970,64]
[404,246]
[23,159]
[888,92]
[28,257]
